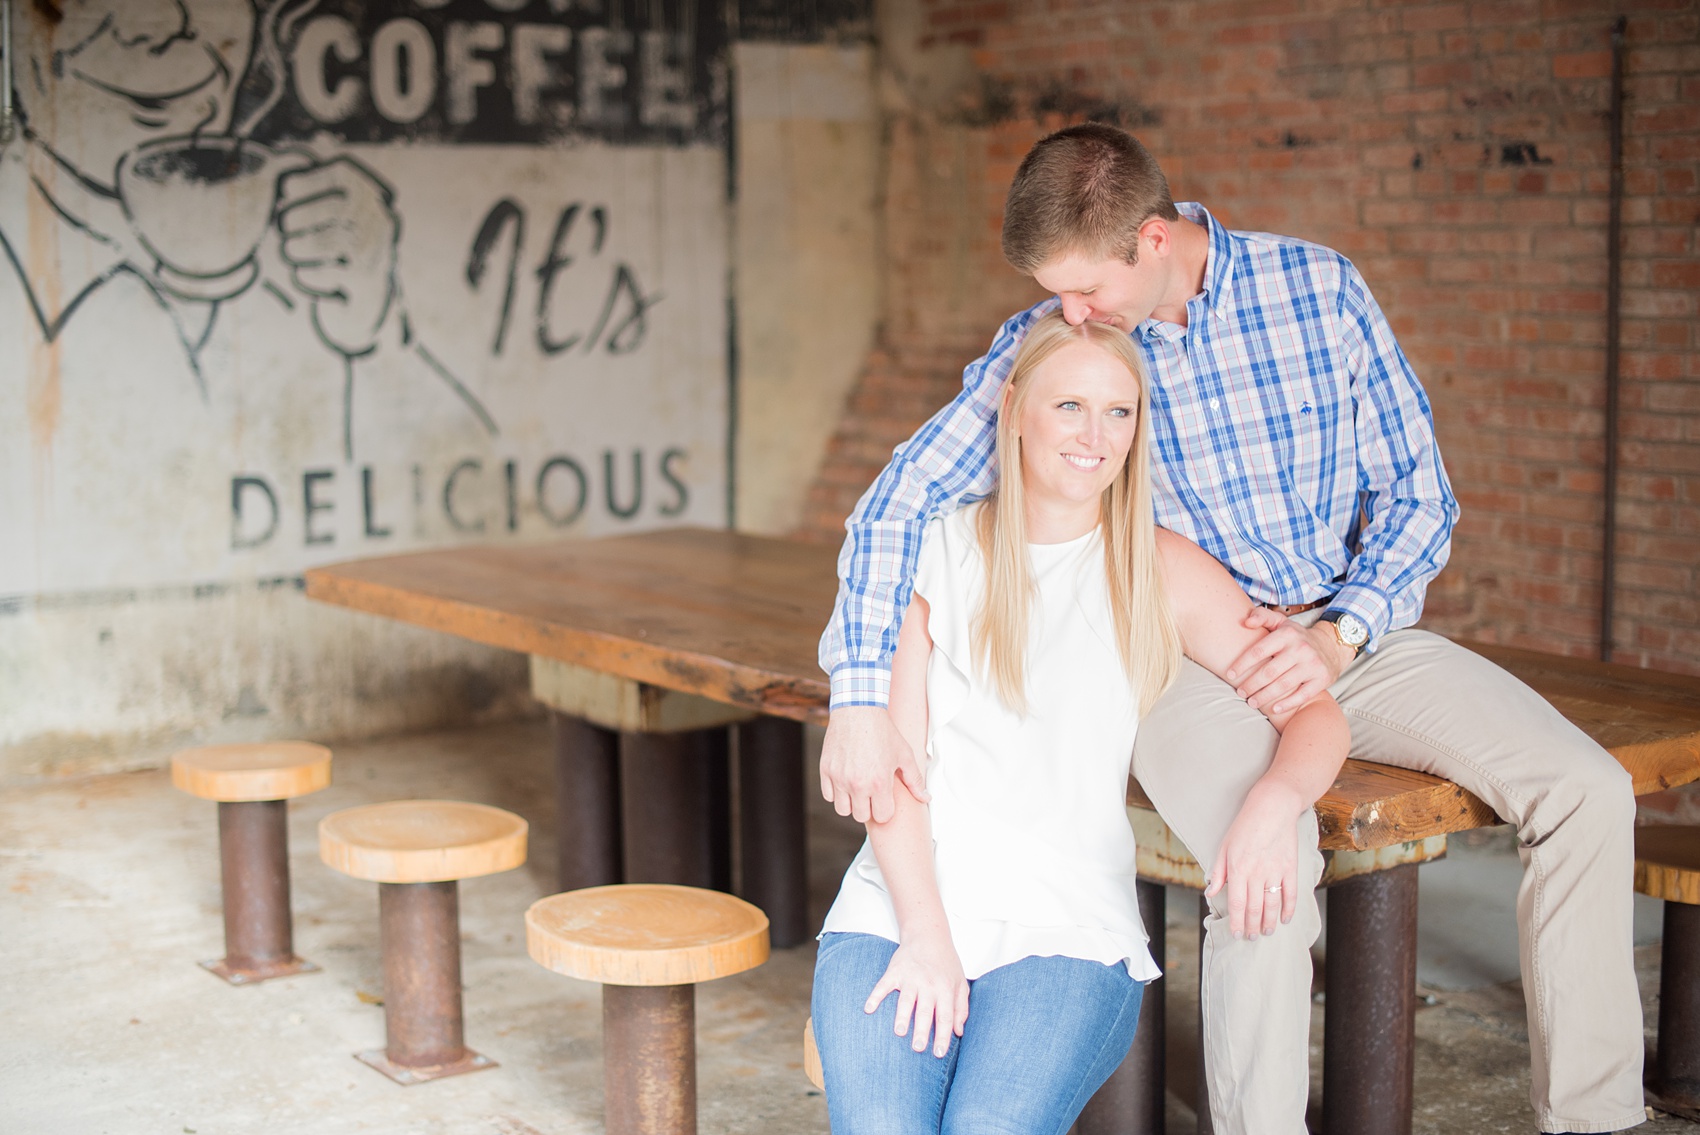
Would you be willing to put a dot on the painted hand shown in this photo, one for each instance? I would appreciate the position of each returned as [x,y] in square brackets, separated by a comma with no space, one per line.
[862,760]
[1287,667]
[930,989]
[1258,863]
[340,231]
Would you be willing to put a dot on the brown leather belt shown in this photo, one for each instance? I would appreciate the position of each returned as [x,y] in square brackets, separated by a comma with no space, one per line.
[1296,608]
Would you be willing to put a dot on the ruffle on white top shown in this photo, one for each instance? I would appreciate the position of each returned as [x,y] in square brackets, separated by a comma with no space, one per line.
[1032,846]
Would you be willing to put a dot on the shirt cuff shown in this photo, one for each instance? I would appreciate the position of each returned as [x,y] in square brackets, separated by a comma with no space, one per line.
[1369,605]
[861,683]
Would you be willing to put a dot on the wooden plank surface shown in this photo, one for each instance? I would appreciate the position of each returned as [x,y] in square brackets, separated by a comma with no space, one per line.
[731,617]
[737,618]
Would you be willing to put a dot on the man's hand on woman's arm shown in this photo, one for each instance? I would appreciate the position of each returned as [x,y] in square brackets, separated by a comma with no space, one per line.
[865,761]
[1288,666]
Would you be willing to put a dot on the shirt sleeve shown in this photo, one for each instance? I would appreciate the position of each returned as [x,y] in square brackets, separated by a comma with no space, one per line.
[949,461]
[1407,503]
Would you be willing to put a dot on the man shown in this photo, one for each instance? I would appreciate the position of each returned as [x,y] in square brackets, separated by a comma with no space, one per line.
[1295,445]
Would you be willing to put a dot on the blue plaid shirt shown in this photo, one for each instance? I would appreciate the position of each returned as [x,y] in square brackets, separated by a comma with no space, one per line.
[1292,442]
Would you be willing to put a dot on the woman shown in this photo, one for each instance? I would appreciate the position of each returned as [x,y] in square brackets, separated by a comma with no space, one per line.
[1044,621]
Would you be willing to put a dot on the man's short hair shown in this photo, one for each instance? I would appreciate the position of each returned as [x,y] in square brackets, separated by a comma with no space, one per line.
[1085,191]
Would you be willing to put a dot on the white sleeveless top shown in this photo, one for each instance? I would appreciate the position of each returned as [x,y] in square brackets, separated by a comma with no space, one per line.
[1034,854]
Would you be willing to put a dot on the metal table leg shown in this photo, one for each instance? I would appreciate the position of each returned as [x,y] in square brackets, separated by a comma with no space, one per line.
[1201,1098]
[259,935]
[1131,1100]
[1676,1068]
[587,803]
[673,803]
[649,1059]
[775,865]
[419,934]
[1369,1036]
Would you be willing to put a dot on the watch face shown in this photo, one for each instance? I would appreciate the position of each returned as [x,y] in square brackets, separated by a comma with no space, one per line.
[1352,630]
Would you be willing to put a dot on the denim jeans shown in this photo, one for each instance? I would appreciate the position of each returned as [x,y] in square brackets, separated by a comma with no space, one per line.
[1043,1034]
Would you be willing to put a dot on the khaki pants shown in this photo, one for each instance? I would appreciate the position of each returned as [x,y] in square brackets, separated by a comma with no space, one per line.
[1419,702]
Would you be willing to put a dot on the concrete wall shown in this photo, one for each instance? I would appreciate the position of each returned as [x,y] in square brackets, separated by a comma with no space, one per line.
[410,274]
[808,258]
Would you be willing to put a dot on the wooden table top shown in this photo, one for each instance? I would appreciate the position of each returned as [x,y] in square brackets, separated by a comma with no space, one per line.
[737,618]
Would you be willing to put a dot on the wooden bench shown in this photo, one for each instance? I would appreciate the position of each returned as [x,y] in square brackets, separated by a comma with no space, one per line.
[735,619]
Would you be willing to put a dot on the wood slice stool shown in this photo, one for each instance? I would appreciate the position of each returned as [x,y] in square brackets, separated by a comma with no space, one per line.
[253,784]
[649,944]
[417,851]
[1667,866]
[812,1067]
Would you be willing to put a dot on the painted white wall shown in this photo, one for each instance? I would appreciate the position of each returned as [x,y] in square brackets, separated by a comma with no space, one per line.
[807,262]
[213,379]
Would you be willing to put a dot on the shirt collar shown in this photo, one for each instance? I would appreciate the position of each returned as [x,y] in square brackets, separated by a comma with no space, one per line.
[1218,292]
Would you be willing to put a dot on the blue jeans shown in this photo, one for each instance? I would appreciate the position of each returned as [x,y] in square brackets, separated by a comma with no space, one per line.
[1043,1034]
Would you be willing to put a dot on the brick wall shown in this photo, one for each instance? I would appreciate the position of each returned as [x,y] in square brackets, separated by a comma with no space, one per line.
[1458,152]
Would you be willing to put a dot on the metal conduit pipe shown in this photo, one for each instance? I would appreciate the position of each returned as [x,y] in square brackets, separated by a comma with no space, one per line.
[8,116]
[1614,297]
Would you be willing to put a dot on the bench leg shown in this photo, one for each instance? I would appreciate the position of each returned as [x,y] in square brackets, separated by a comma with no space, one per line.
[1131,1100]
[1201,1097]
[1676,1069]
[1369,1036]
[674,790]
[259,936]
[771,837]
[649,1059]
[424,1035]
[587,803]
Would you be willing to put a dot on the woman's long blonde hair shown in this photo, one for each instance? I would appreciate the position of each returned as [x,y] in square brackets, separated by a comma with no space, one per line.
[1144,628]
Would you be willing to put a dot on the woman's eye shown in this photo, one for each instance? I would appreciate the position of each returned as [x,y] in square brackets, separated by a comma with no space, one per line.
[1120,412]
[1068,405]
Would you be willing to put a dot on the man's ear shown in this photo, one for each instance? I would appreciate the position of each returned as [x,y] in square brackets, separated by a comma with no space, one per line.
[1156,232]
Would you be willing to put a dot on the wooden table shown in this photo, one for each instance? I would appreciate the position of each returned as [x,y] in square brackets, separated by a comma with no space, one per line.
[690,624]
[644,648]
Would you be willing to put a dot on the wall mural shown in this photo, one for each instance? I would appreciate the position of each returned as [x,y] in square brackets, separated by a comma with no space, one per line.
[290,281]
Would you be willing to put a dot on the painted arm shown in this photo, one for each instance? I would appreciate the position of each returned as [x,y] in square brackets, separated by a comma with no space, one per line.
[1260,851]
[948,462]
[925,971]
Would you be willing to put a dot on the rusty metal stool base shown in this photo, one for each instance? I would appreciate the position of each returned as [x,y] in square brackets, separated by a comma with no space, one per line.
[256,972]
[408,1075]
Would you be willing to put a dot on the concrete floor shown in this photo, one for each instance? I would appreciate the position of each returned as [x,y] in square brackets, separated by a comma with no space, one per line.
[109,894]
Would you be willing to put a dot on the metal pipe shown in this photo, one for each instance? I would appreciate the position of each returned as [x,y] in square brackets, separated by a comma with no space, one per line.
[1131,1100]
[587,803]
[8,125]
[1676,1068]
[673,795]
[1201,1094]
[1369,1027]
[1614,300]
[649,1059]
[775,864]
[253,844]
[419,934]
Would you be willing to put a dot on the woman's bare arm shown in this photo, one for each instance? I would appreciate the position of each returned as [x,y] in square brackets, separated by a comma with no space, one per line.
[926,970]
[1260,850]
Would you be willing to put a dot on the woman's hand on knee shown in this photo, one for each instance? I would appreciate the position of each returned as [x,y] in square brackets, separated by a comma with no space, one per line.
[1258,864]
[927,975]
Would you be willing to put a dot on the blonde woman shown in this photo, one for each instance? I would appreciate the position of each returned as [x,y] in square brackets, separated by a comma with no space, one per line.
[982,968]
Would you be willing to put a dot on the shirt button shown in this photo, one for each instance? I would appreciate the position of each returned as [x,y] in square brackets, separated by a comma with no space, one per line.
[1215,404]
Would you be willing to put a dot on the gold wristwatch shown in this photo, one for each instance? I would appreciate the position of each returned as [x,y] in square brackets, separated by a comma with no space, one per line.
[1349,630]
